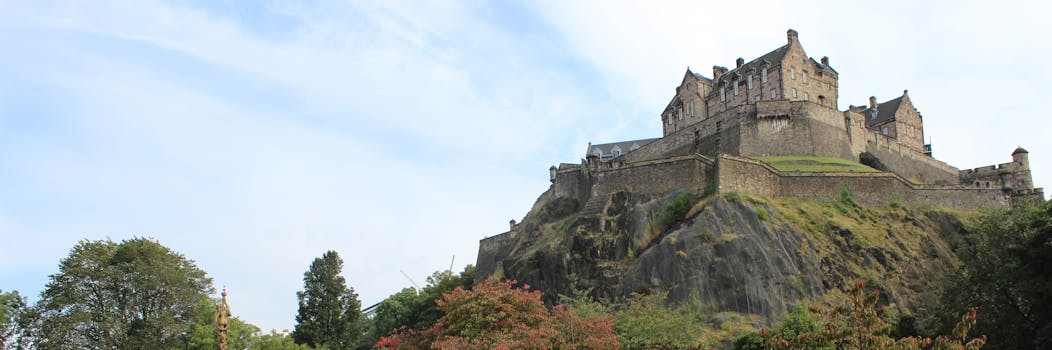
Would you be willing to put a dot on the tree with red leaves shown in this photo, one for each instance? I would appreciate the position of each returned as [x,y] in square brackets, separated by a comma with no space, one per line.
[497,315]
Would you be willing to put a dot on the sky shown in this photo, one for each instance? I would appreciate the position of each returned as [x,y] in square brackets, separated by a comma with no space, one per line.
[253,136]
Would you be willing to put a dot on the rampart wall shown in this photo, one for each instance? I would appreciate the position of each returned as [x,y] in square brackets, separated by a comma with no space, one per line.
[655,177]
[875,189]
[492,247]
[795,128]
[908,162]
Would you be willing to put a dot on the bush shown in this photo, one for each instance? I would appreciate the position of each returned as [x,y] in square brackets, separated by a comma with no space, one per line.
[872,161]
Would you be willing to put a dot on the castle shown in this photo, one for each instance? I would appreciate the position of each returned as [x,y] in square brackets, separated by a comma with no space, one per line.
[784,103]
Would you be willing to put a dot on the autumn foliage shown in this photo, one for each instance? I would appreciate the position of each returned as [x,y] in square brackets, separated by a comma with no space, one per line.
[860,324]
[497,315]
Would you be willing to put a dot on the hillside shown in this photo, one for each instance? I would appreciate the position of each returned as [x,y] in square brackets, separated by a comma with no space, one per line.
[736,252]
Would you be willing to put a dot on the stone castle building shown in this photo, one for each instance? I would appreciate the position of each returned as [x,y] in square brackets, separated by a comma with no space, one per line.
[785,103]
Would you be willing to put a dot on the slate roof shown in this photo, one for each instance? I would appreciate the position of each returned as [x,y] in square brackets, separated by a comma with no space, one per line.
[773,58]
[625,146]
[885,112]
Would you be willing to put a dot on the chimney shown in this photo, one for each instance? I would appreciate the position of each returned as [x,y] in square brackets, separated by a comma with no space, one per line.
[718,71]
[825,60]
[872,102]
[740,62]
[905,92]
[792,36]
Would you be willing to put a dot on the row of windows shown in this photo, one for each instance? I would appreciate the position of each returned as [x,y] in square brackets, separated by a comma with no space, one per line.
[792,75]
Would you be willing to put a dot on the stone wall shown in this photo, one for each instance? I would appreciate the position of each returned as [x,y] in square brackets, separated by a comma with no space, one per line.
[910,163]
[490,248]
[795,128]
[873,189]
[655,177]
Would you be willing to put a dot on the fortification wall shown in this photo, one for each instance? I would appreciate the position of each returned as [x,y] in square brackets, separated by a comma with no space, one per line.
[874,189]
[795,128]
[571,181]
[655,177]
[490,248]
[910,163]
[717,134]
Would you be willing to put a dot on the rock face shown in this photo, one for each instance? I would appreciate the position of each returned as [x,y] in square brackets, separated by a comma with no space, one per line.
[735,252]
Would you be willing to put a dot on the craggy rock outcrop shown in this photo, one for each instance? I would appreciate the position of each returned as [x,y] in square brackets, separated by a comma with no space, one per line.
[735,252]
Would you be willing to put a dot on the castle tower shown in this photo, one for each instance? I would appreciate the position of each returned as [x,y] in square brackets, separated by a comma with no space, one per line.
[1021,174]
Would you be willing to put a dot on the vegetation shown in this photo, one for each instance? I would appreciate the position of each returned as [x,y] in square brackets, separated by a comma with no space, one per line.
[136,294]
[329,311]
[674,212]
[414,309]
[872,161]
[1006,273]
[497,315]
[816,164]
[859,324]
[12,306]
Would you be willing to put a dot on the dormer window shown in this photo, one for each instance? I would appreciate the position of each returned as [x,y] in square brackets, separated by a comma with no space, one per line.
[749,81]
[763,75]
[736,83]
[723,93]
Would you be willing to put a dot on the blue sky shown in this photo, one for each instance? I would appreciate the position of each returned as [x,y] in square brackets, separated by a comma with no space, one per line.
[252,136]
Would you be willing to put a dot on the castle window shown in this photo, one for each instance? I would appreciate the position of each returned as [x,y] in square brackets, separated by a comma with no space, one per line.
[736,83]
[821,100]
[805,77]
[763,75]
[807,97]
[690,111]
[749,82]
[792,73]
[884,130]
[774,93]
[723,93]
[794,92]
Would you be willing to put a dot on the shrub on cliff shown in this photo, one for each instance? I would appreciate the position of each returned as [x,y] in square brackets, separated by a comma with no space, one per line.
[498,315]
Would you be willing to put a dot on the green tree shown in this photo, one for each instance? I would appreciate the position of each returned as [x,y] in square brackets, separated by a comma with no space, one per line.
[12,306]
[329,311]
[417,309]
[136,294]
[1006,272]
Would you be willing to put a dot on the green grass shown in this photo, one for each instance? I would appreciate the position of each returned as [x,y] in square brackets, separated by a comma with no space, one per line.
[816,164]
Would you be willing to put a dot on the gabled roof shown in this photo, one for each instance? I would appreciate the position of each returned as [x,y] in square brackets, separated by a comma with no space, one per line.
[772,58]
[885,112]
[624,146]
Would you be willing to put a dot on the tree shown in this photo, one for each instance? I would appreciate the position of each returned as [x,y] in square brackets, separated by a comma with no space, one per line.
[417,309]
[859,324]
[12,306]
[136,294]
[497,315]
[329,311]
[1006,272]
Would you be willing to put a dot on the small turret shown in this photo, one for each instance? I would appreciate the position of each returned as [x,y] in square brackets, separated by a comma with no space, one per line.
[551,172]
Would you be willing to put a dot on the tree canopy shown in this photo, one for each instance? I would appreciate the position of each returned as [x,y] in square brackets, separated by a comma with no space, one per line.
[135,294]
[329,312]
[1006,272]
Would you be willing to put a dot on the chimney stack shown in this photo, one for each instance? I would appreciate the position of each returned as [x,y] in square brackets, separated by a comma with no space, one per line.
[718,71]
[872,102]
[825,60]
[792,35]
[740,62]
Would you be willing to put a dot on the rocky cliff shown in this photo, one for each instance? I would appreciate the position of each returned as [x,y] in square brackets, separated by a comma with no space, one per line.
[736,252]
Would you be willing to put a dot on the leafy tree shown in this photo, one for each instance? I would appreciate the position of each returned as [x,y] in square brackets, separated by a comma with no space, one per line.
[1006,272]
[497,315]
[645,322]
[417,310]
[136,294]
[12,306]
[859,324]
[329,311]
